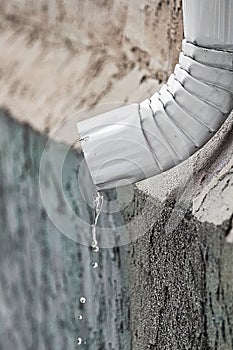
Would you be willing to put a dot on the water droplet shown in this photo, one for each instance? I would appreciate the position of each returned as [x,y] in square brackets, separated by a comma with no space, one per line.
[82,300]
[94,265]
[95,249]
[80,341]
[80,317]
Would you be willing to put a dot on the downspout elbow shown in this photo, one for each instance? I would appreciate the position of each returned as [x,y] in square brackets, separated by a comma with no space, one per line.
[138,141]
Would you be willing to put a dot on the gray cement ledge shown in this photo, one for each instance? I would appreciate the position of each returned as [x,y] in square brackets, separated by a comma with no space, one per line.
[201,180]
[181,268]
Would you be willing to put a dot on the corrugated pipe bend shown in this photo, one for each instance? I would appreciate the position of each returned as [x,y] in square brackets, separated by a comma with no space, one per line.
[138,141]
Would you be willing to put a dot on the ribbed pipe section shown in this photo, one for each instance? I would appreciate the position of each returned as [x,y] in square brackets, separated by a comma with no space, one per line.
[192,106]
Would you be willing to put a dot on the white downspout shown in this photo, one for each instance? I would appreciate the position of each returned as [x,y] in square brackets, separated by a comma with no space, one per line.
[138,141]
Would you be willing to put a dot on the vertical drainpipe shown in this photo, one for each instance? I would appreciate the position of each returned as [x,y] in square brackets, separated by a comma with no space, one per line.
[138,141]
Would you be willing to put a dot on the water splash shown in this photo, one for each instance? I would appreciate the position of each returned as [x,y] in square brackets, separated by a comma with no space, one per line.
[98,203]
[94,265]
[95,249]
[79,341]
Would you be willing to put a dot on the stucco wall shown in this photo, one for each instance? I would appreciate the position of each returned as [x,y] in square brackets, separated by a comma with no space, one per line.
[181,269]
[60,57]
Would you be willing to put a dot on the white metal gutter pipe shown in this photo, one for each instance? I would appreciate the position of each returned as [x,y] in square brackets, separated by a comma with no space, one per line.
[138,141]
[208,23]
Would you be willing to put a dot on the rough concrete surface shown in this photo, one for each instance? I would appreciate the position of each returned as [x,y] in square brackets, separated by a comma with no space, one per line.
[183,265]
[172,287]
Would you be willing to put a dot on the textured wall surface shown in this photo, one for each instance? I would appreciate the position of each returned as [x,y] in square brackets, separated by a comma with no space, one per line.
[182,284]
[59,57]
[43,273]
[172,288]
[181,269]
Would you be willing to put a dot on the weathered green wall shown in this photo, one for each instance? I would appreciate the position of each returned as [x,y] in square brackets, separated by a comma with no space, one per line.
[42,272]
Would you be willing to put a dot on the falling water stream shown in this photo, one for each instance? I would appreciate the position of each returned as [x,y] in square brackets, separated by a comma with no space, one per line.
[97,204]
[47,259]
